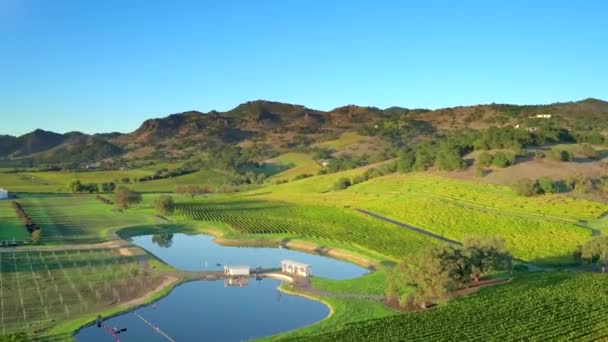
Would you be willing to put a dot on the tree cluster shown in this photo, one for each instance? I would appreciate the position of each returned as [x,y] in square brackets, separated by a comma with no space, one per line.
[164,205]
[125,197]
[436,271]
[192,190]
[32,228]
[594,251]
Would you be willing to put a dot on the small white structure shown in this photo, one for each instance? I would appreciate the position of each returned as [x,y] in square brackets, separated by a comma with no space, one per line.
[236,271]
[296,268]
[3,194]
[543,116]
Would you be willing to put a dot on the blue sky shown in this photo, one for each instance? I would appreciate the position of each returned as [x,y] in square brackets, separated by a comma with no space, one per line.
[99,66]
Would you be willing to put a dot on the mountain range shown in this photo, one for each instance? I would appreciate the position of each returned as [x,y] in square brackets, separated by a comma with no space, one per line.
[273,125]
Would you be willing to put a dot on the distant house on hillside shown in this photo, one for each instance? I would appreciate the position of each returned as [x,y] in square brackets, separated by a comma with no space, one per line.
[542,116]
[3,194]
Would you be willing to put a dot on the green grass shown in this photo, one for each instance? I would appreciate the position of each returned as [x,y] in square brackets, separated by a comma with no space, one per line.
[543,228]
[344,140]
[212,178]
[43,289]
[370,284]
[297,163]
[538,306]
[10,226]
[344,312]
[78,218]
[321,223]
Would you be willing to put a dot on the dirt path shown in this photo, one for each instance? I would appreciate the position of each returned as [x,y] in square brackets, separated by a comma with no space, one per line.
[407,226]
[169,280]
[531,267]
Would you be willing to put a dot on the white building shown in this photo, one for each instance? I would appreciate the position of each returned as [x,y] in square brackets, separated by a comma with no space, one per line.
[296,268]
[3,194]
[236,271]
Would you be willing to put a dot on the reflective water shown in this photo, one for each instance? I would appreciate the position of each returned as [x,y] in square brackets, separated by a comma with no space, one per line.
[210,311]
[199,252]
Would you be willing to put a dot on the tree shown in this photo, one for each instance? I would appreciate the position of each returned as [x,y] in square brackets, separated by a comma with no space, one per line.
[503,159]
[164,205]
[546,185]
[479,172]
[342,183]
[595,251]
[579,183]
[192,190]
[525,187]
[125,197]
[448,158]
[560,155]
[485,254]
[588,151]
[75,186]
[36,236]
[163,240]
[484,159]
[406,161]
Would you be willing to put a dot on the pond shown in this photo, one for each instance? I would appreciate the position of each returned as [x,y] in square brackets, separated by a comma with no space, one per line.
[211,311]
[199,252]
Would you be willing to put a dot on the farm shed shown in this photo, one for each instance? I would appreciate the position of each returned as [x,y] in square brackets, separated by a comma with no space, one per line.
[296,268]
[236,271]
[3,194]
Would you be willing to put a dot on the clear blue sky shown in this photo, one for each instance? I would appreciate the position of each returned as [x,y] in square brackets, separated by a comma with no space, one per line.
[99,66]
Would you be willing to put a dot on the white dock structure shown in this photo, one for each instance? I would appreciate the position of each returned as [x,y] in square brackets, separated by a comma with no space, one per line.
[236,271]
[3,194]
[296,268]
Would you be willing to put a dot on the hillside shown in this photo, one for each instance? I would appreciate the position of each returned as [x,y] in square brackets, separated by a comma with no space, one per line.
[280,127]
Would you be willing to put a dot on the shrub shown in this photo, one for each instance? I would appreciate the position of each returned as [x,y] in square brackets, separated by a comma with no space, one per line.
[479,172]
[503,159]
[588,151]
[560,155]
[484,159]
[525,187]
[342,183]
[546,185]
[164,205]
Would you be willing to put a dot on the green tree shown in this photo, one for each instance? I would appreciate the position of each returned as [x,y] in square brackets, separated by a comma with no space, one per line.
[36,236]
[503,159]
[448,158]
[479,171]
[588,151]
[406,161]
[164,205]
[342,183]
[595,251]
[484,159]
[525,187]
[163,240]
[75,186]
[546,185]
[485,254]
[125,197]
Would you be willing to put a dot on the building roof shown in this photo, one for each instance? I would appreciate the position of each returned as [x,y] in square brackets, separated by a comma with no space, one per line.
[236,267]
[295,263]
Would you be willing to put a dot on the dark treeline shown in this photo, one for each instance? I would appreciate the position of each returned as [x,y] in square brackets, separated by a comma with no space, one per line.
[32,228]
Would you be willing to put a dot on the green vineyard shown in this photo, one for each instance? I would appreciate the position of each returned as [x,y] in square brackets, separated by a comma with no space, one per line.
[39,288]
[561,306]
[543,229]
[325,223]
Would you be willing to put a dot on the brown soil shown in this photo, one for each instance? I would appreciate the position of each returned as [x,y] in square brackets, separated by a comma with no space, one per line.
[167,281]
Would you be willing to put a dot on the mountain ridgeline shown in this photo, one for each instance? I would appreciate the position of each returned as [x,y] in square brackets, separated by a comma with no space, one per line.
[281,127]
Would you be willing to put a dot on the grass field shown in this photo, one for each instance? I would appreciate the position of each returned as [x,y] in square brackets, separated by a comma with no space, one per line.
[345,139]
[41,289]
[78,218]
[545,229]
[535,307]
[10,226]
[264,218]
[297,163]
